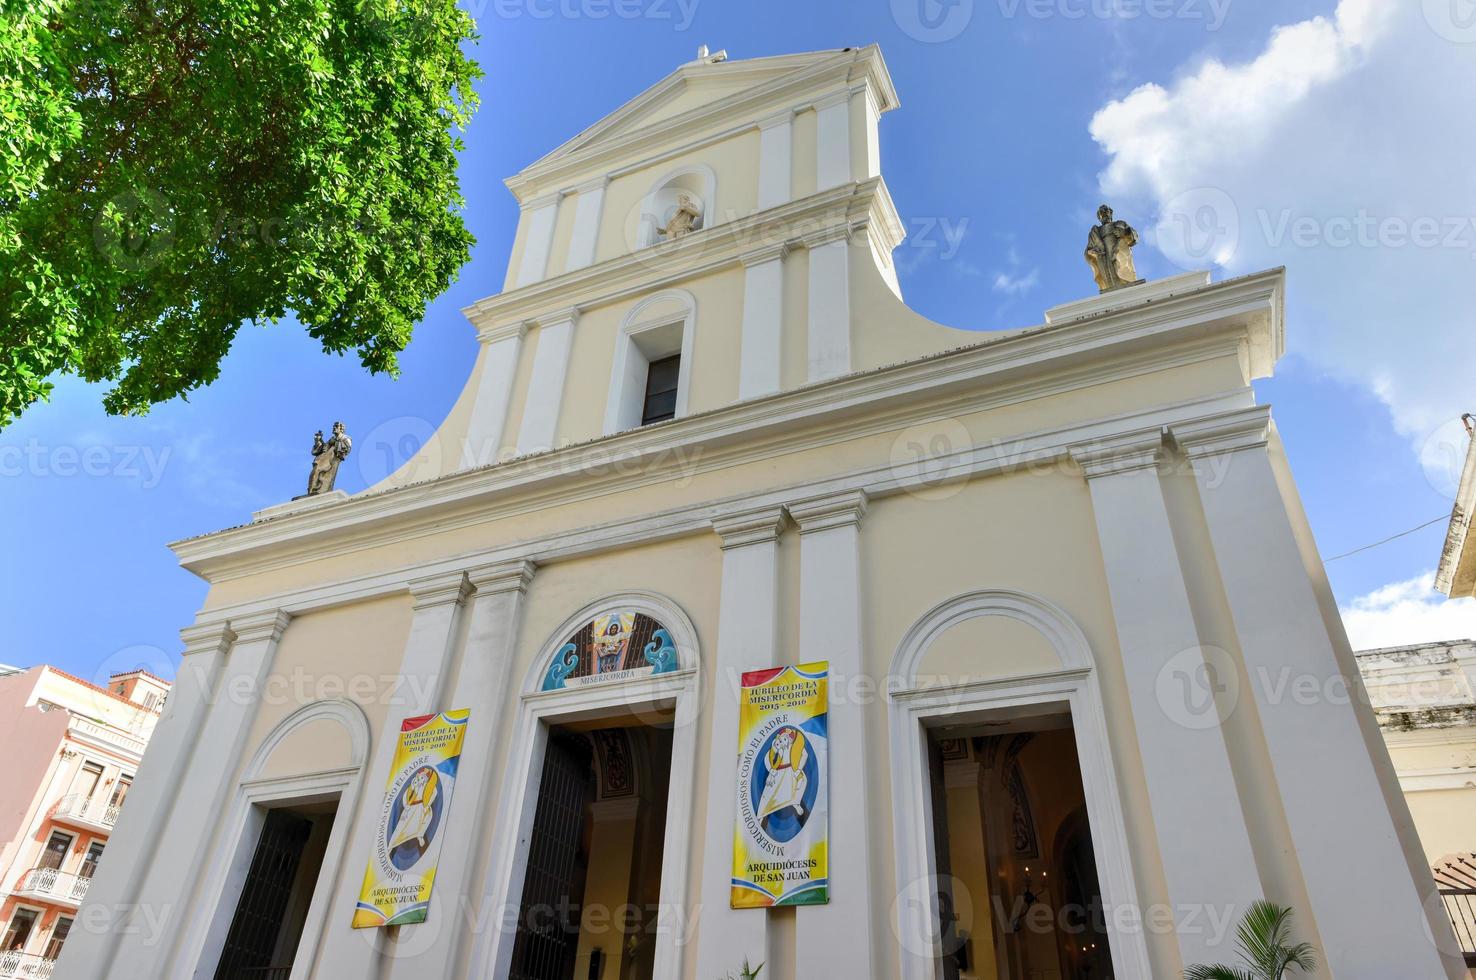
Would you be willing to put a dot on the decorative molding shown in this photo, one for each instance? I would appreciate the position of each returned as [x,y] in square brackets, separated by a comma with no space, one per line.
[781,118]
[1123,454]
[516,330]
[253,627]
[714,247]
[1042,615]
[595,184]
[206,637]
[439,590]
[843,509]
[660,608]
[758,526]
[552,318]
[767,253]
[500,577]
[1235,431]
[1025,450]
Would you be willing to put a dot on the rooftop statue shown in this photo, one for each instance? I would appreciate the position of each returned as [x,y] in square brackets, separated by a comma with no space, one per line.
[326,457]
[1109,252]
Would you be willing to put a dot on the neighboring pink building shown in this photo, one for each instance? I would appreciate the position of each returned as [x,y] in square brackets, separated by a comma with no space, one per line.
[70,750]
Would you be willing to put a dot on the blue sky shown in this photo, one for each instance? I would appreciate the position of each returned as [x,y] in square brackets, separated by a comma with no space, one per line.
[1017,116]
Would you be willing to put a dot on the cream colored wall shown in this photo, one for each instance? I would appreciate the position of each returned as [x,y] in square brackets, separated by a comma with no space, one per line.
[352,652]
[714,383]
[709,479]
[1445,820]
[734,162]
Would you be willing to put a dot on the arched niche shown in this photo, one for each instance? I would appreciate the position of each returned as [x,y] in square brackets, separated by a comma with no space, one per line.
[697,183]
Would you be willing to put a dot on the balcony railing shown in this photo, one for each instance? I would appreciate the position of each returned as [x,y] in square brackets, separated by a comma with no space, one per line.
[57,886]
[25,966]
[93,812]
[107,733]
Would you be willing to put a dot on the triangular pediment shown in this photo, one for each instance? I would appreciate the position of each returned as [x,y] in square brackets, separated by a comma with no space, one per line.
[690,88]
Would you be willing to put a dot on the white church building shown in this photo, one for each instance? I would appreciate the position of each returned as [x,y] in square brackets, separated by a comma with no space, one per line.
[742,613]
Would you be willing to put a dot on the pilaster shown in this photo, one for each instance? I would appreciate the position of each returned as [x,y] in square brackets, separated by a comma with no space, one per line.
[546,387]
[776,148]
[135,839]
[437,606]
[171,879]
[763,321]
[540,215]
[1174,682]
[747,640]
[484,432]
[1325,768]
[829,310]
[836,939]
[494,597]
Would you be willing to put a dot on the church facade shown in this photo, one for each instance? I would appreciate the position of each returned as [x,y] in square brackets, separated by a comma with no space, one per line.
[739,613]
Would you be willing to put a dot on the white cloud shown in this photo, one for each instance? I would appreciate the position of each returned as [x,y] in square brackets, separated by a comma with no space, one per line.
[1343,151]
[1408,612]
[1016,285]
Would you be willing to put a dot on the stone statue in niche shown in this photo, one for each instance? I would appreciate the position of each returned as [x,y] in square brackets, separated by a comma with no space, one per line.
[326,457]
[1109,252]
[683,221]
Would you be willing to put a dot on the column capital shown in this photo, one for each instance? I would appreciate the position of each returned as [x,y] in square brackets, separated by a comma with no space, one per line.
[824,236]
[507,576]
[960,773]
[843,509]
[758,526]
[1249,428]
[214,637]
[1119,454]
[541,201]
[833,99]
[766,253]
[780,118]
[595,184]
[504,331]
[266,626]
[553,318]
[439,590]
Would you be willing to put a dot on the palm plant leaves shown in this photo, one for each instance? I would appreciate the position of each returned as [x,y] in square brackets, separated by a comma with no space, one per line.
[1262,940]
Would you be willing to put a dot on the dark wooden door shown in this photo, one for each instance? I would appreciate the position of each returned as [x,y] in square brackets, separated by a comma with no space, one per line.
[553,887]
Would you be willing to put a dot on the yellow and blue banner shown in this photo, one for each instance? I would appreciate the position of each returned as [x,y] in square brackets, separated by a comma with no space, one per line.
[407,844]
[782,841]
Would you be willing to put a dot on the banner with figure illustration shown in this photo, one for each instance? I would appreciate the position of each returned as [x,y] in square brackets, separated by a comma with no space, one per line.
[782,841]
[407,842]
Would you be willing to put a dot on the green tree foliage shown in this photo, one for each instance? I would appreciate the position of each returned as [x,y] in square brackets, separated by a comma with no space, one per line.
[172,169]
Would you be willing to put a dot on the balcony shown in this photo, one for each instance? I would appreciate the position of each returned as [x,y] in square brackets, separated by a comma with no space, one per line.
[87,730]
[91,814]
[51,885]
[25,966]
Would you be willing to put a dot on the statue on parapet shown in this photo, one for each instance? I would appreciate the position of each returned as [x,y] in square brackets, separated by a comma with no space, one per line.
[1109,252]
[327,454]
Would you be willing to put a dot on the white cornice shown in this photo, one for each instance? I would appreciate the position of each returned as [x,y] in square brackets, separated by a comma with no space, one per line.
[1002,370]
[1028,450]
[849,207]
